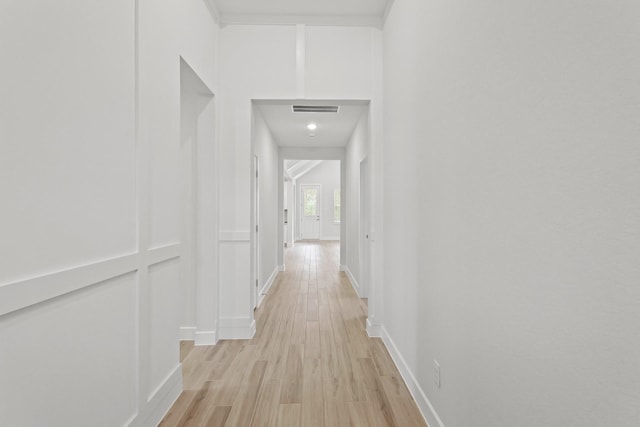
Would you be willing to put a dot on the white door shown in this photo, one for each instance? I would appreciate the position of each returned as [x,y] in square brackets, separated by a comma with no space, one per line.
[310,212]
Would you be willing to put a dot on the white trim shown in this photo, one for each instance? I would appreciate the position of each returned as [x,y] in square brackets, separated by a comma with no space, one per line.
[330,239]
[354,282]
[161,400]
[387,11]
[265,289]
[205,338]
[213,10]
[373,330]
[426,408]
[24,293]
[301,59]
[236,328]
[256,236]
[318,20]
[188,333]
[132,420]
[234,236]
[164,253]
[343,268]
[282,268]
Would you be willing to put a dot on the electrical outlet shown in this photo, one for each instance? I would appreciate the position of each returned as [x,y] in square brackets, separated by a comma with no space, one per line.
[436,372]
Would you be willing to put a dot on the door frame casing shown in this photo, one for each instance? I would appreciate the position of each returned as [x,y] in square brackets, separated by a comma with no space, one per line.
[255,280]
[364,250]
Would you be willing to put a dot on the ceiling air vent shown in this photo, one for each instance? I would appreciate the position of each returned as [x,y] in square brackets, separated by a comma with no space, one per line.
[315,108]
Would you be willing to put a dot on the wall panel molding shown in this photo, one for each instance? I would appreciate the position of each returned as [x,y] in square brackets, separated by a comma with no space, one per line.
[164,253]
[25,293]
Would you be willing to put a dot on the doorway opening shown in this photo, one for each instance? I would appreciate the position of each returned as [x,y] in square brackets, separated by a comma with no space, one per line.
[295,140]
[198,235]
[313,200]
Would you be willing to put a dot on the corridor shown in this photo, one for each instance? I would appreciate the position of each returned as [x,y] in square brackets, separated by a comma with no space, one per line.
[309,364]
[488,207]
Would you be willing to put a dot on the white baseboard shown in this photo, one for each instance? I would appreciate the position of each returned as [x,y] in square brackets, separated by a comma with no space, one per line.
[160,400]
[333,239]
[343,268]
[265,289]
[205,338]
[282,268]
[252,329]
[187,333]
[354,282]
[373,330]
[427,410]
[236,328]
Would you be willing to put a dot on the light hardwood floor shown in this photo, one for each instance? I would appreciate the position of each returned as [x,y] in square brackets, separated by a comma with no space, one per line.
[309,364]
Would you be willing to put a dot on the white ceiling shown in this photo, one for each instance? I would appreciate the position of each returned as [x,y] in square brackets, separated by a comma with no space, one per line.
[237,11]
[289,129]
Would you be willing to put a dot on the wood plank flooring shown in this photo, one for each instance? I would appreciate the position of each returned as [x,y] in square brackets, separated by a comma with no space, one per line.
[310,363]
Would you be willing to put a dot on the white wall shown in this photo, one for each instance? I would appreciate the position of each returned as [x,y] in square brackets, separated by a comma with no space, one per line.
[162,44]
[327,175]
[339,62]
[256,62]
[273,62]
[52,220]
[89,257]
[267,151]
[198,208]
[355,152]
[523,213]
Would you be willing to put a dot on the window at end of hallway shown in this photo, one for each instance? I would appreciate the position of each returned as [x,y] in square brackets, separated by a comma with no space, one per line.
[336,205]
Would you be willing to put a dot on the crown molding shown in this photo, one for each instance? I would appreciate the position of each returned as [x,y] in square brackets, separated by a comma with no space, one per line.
[213,9]
[387,11]
[314,20]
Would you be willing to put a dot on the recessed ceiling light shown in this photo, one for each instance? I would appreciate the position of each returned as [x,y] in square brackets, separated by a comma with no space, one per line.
[312,126]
